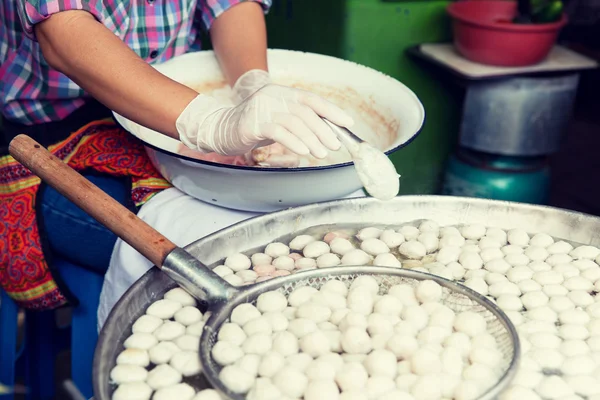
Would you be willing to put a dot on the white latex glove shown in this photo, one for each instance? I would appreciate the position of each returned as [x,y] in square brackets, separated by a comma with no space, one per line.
[273,113]
[249,83]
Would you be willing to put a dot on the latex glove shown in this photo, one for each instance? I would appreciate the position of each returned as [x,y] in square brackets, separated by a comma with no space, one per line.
[274,113]
[249,83]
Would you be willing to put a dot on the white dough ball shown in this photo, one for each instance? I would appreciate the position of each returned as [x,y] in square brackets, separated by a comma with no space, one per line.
[387,260]
[534,299]
[557,259]
[391,238]
[321,390]
[409,232]
[428,291]
[499,266]
[328,260]
[291,382]
[162,352]
[302,326]
[369,233]
[402,346]
[299,242]
[316,249]
[554,387]
[448,254]
[374,246]
[335,286]
[263,389]
[285,263]
[519,273]
[471,323]
[470,260]
[163,376]
[504,288]
[243,313]
[477,284]
[356,341]
[404,293]
[231,333]
[352,376]
[277,249]
[285,343]
[356,257]
[170,330]
[341,246]
[146,324]
[180,295]
[544,314]
[164,308]
[236,379]
[238,262]
[132,391]
[123,373]
[367,282]
[541,240]
[512,249]
[496,234]
[305,263]
[490,254]
[571,348]
[457,270]
[473,232]
[518,237]
[223,271]
[388,305]
[315,344]
[187,363]
[259,343]
[516,260]
[208,394]
[277,321]
[441,271]
[416,316]
[452,240]
[430,241]
[143,341]
[260,259]
[529,285]
[381,363]
[536,253]
[188,343]
[330,299]
[233,280]
[509,302]
[272,301]
[554,290]
[321,369]
[195,329]
[569,331]
[133,357]
[301,295]
[226,353]
[489,243]
[413,249]
[560,247]
[270,364]
[188,315]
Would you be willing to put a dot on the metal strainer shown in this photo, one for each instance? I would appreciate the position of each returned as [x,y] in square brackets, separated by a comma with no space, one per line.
[457,297]
[222,297]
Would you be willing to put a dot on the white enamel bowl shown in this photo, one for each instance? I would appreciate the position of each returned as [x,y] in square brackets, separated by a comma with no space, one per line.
[387,114]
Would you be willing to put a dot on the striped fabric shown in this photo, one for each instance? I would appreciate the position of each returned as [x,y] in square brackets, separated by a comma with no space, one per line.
[31,92]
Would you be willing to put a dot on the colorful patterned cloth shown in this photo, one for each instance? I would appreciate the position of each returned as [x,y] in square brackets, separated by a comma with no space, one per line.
[101,146]
[157,30]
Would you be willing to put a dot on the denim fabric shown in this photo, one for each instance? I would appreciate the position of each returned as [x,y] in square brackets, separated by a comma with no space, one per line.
[75,236]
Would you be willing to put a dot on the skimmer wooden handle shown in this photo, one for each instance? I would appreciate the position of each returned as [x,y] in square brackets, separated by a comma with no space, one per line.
[91,199]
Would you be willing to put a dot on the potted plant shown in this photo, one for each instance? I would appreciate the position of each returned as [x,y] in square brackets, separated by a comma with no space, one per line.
[506,33]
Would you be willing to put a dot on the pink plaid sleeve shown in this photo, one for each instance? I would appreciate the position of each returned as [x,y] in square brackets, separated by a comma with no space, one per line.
[211,9]
[32,12]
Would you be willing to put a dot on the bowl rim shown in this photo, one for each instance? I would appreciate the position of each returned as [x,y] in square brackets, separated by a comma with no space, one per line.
[283,169]
[453,10]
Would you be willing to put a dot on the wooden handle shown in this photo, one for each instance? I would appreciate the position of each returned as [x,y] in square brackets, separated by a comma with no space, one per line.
[91,199]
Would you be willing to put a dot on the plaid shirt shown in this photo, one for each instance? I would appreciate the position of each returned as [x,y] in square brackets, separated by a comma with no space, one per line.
[31,92]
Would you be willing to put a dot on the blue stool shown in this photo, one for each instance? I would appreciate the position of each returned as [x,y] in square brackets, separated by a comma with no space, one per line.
[44,340]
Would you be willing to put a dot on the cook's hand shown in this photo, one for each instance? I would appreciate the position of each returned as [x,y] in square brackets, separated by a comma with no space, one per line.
[249,83]
[273,113]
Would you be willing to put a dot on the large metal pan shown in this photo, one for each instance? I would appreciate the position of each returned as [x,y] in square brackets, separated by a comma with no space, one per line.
[255,233]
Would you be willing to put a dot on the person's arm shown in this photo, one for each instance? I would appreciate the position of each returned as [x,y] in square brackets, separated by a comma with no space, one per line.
[239,38]
[76,44]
